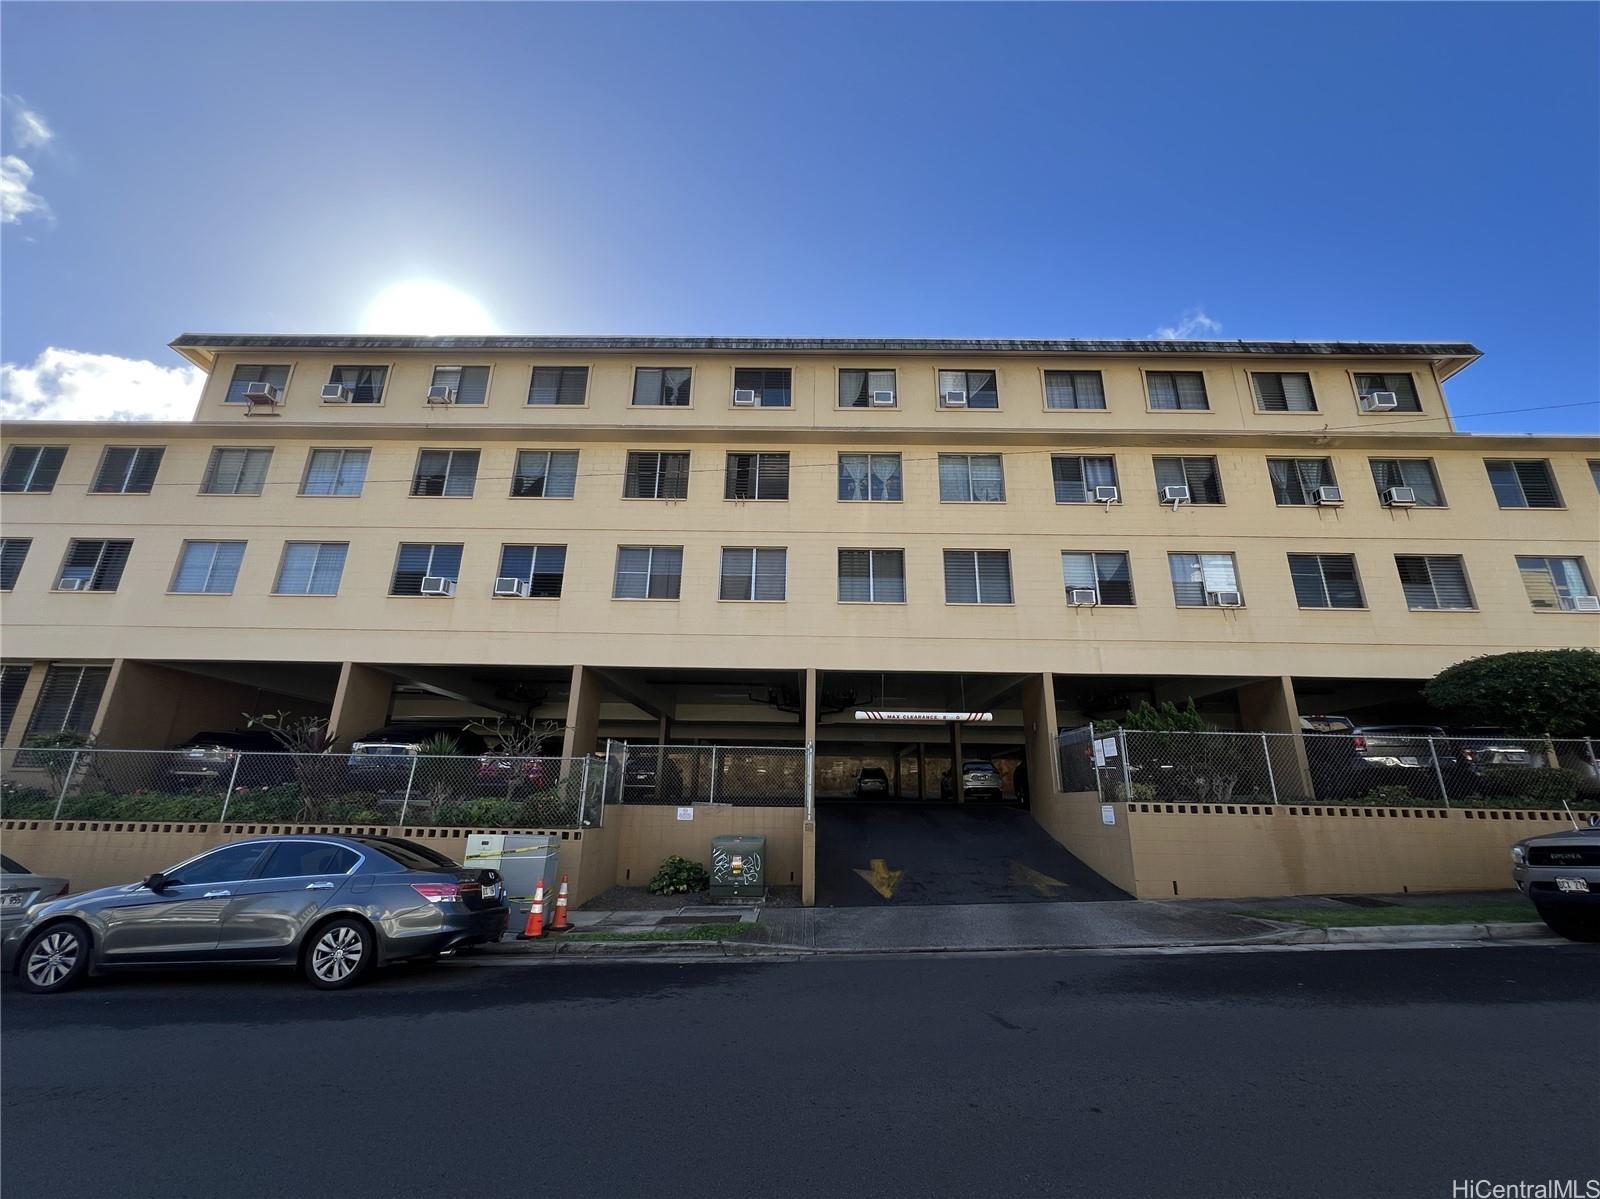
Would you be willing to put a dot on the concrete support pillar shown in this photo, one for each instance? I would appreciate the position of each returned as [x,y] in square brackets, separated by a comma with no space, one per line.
[137,706]
[360,703]
[922,771]
[1039,728]
[25,704]
[957,787]
[808,835]
[899,753]
[1269,706]
[582,732]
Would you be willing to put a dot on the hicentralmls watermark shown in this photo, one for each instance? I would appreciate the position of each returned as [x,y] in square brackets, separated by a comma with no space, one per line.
[1555,1188]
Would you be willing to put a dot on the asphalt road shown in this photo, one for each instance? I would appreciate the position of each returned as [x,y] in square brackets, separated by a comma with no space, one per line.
[1331,1073]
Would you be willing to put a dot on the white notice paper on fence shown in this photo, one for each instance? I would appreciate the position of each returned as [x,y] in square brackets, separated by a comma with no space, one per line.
[1104,748]
[686,813]
[1108,814]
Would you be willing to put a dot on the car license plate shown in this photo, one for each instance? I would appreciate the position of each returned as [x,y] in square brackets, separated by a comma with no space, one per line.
[1408,761]
[492,891]
[1572,885]
[12,899]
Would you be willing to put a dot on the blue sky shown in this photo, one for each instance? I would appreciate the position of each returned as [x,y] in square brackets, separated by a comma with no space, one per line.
[1410,171]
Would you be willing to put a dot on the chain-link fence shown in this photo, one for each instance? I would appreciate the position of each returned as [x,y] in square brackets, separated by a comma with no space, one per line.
[379,788]
[740,775]
[1388,766]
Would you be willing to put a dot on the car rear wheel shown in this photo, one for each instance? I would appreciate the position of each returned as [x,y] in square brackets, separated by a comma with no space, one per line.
[1574,926]
[340,954]
[55,959]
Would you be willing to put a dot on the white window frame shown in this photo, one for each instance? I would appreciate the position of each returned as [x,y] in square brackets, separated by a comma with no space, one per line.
[190,545]
[633,391]
[137,451]
[343,452]
[549,458]
[488,381]
[27,487]
[872,574]
[869,498]
[383,391]
[1559,585]
[99,562]
[754,551]
[449,468]
[1094,557]
[209,475]
[868,371]
[1427,561]
[283,561]
[588,378]
[971,496]
[1200,557]
[977,580]
[649,575]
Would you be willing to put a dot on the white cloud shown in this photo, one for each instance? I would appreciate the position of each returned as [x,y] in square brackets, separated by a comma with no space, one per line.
[1192,325]
[17,200]
[73,385]
[28,127]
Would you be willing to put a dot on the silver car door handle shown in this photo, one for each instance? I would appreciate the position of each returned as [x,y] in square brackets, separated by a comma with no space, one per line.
[319,886]
[216,894]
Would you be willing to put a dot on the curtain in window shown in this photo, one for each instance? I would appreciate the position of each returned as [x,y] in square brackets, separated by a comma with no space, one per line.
[1173,390]
[209,567]
[1078,572]
[955,483]
[853,472]
[886,476]
[311,568]
[1194,575]
[982,390]
[1403,386]
[988,478]
[278,376]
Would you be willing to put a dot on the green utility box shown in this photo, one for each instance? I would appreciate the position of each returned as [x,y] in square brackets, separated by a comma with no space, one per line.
[738,867]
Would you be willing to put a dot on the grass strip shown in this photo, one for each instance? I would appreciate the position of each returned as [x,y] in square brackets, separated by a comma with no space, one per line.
[724,931]
[1463,913]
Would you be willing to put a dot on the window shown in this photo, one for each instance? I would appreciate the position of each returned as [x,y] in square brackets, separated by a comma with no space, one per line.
[1283,391]
[772,385]
[977,577]
[362,384]
[757,573]
[311,568]
[1199,475]
[1074,389]
[208,567]
[1526,484]
[971,479]
[471,383]
[445,472]
[1108,575]
[661,387]
[68,700]
[1295,480]
[858,387]
[869,477]
[302,859]
[872,576]
[96,565]
[127,470]
[1594,472]
[648,572]
[1197,579]
[230,864]
[1177,390]
[541,567]
[757,477]
[656,476]
[1555,583]
[1434,582]
[1415,473]
[1403,386]
[979,388]
[545,474]
[1326,581]
[243,375]
[235,472]
[13,678]
[1076,478]
[13,553]
[559,385]
[335,472]
[419,560]
[32,467]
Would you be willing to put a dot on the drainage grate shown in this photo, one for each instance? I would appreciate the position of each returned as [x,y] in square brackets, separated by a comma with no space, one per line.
[1363,901]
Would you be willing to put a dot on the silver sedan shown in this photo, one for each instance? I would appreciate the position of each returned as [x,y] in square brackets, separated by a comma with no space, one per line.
[20,889]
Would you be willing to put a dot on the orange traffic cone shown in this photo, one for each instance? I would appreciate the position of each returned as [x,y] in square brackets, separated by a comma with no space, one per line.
[535,926]
[560,925]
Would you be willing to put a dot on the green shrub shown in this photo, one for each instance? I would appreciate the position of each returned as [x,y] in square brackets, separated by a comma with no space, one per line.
[1554,692]
[678,876]
[1518,786]
[1392,795]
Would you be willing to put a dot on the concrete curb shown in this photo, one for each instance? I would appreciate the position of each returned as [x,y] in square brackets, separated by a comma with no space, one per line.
[1393,934]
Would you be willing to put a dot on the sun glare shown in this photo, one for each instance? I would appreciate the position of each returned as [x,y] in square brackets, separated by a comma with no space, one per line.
[424,306]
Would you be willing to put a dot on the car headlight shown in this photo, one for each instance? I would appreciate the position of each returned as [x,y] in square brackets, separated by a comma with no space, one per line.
[1519,856]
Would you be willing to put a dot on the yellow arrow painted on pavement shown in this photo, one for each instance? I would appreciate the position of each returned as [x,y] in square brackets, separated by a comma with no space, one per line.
[881,879]
[1026,876]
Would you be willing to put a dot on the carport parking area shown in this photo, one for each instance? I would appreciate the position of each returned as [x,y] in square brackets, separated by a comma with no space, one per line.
[881,854]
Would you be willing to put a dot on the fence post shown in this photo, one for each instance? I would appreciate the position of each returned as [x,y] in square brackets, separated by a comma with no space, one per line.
[583,791]
[1127,767]
[1588,744]
[712,798]
[811,780]
[72,768]
[410,778]
[1438,773]
[227,796]
[1272,779]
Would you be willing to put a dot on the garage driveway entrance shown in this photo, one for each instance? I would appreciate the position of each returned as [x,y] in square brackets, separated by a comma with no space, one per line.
[877,855]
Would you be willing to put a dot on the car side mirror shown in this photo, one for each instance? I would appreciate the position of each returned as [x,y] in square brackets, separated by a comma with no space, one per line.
[159,882]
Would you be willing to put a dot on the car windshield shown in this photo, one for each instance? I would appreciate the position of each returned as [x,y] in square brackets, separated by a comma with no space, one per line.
[873,772]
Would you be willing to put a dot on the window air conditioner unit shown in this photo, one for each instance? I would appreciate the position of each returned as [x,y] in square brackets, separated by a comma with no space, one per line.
[883,399]
[955,399]
[510,585]
[1105,494]
[1226,599]
[335,393]
[440,394]
[1328,497]
[1400,497]
[1175,494]
[1379,401]
[1083,597]
[262,395]
[744,397]
[71,584]
[438,585]
[1586,603]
